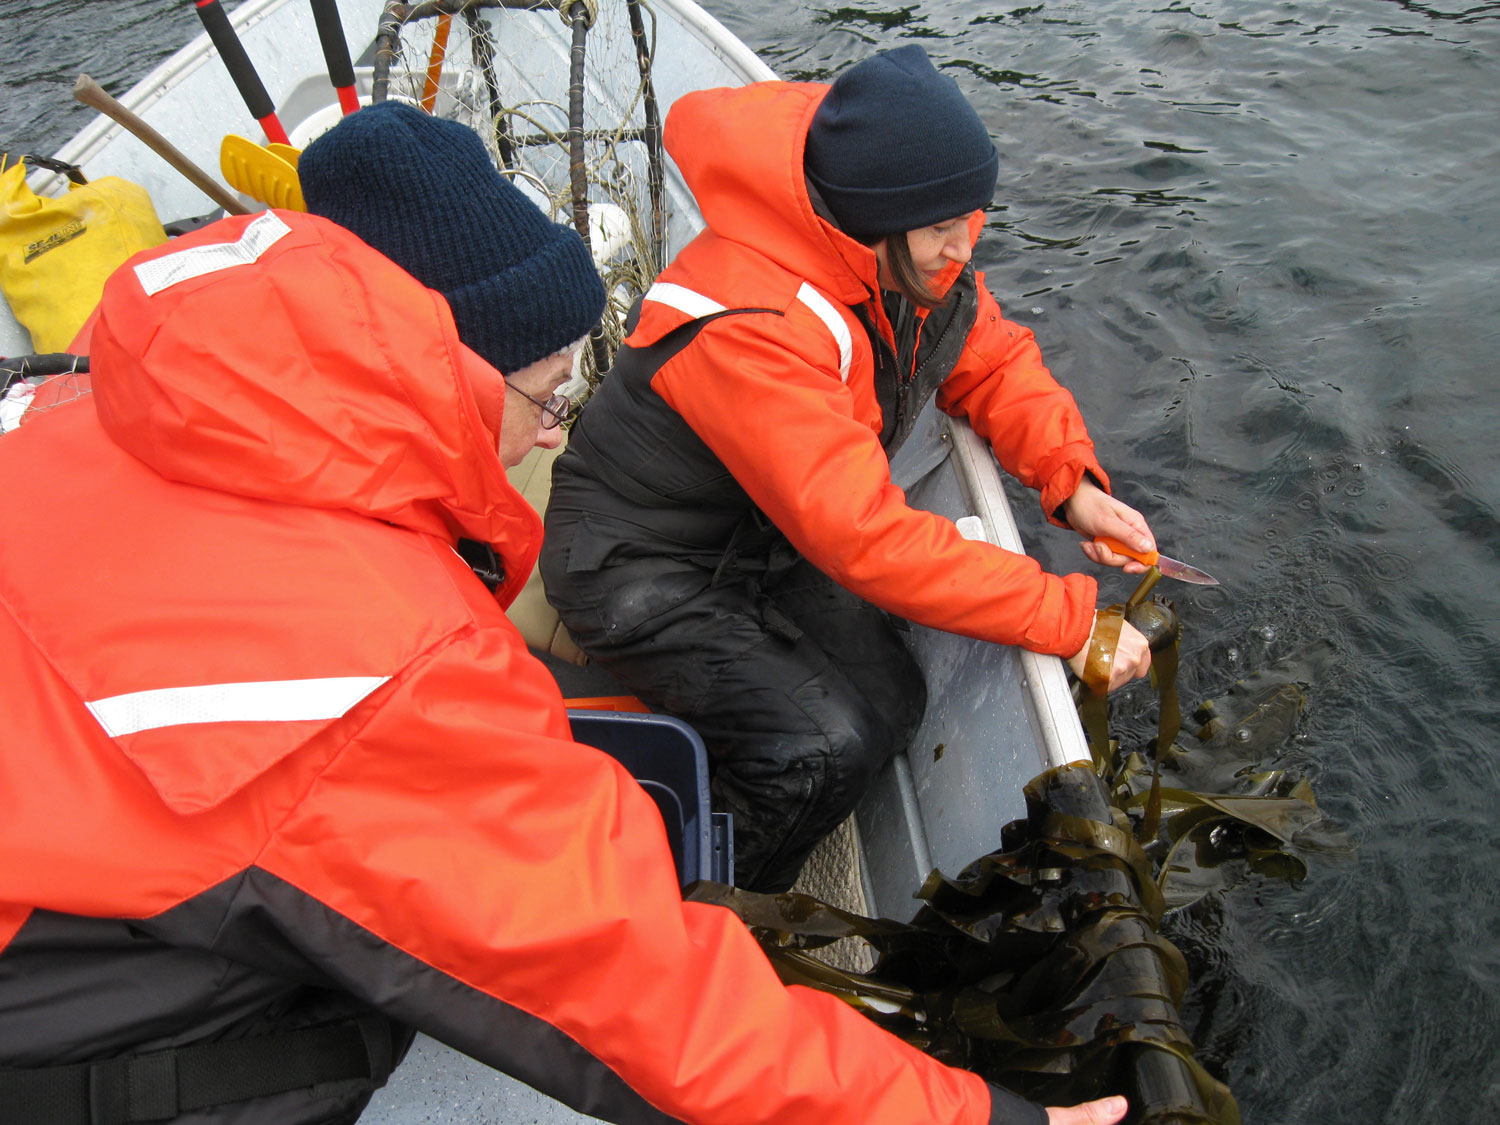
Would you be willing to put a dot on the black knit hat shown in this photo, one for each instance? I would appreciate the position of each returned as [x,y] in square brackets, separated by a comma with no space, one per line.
[894,147]
[423,192]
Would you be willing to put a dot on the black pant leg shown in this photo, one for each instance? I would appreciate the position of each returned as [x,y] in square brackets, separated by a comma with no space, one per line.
[866,642]
[801,693]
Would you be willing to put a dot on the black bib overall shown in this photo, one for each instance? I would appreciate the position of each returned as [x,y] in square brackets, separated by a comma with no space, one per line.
[667,575]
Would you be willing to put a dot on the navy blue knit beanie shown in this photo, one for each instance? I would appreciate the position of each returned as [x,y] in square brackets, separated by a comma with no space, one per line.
[423,192]
[894,146]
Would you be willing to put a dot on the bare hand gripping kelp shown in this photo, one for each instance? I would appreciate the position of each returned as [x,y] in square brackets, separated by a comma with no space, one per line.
[1041,965]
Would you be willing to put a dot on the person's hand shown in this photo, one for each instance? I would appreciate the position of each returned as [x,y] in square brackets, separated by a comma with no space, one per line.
[1091,511]
[1105,1111]
[1132,657]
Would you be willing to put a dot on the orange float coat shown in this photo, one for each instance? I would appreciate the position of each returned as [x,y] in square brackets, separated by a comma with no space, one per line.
[260,712]
[766,393]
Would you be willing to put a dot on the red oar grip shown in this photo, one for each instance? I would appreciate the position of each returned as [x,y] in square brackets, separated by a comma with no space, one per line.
[336,52]
[246,81]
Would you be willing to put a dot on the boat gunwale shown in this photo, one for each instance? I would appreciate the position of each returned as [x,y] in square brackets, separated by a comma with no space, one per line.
[1053,711]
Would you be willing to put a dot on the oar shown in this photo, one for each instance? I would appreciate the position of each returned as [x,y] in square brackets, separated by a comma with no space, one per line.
[232,51]
[260,173]
[91,94]
[435,61]
[336,52]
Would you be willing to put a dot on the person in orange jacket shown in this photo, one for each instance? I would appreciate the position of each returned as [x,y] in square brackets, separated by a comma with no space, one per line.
[723,533]
[280,781]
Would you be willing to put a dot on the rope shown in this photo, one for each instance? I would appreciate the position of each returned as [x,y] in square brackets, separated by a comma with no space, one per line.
[588,14]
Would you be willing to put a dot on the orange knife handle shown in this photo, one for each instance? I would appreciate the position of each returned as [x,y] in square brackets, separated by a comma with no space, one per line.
[1147,557]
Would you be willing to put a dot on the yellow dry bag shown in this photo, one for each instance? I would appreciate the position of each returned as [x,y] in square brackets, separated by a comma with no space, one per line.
[56,253]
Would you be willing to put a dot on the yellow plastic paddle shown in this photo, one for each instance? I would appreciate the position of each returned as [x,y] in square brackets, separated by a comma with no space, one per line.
[286,152]
[261,173]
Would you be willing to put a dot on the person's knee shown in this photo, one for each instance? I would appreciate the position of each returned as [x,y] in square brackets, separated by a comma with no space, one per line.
[863,733]
[857,743]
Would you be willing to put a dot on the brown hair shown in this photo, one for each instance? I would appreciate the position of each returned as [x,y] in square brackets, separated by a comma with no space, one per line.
[904,273]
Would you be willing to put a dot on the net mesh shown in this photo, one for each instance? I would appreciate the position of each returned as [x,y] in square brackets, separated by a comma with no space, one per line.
[560,92]
[34,384]
[563,101]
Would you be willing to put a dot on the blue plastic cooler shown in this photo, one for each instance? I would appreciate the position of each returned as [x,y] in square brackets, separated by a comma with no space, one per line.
[667,757]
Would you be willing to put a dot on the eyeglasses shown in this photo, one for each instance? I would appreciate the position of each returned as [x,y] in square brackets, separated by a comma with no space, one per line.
[555,410]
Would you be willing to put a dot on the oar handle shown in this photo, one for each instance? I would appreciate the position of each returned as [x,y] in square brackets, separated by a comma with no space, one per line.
[246,81]
[91,94]
[336,52]
[1147,557]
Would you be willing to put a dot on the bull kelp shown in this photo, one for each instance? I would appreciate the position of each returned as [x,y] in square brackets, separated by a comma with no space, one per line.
[1042,965]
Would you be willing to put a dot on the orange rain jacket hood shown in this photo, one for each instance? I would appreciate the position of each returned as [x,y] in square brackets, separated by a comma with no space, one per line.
[271,746]
[788,402]
[291,406]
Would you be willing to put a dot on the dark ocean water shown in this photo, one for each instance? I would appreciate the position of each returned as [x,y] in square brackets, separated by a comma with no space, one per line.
[1261,243]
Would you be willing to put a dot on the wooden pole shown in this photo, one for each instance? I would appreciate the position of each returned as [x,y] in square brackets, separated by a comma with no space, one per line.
[90,93]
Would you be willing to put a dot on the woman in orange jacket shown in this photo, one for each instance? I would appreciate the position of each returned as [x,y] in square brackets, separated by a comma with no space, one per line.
[723,533]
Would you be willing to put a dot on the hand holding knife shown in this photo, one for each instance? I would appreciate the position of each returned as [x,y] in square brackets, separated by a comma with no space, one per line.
[1170,568]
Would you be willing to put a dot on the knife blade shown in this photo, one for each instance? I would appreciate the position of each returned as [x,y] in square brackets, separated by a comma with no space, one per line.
[1170,568]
